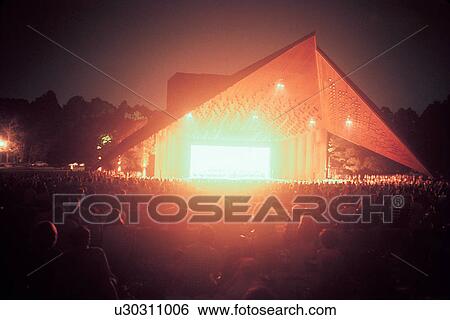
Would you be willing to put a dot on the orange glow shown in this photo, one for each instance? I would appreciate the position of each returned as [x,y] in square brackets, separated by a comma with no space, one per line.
[279,85]
[119,166]
[348,122]
[242,115]
[144,168]
[3,144]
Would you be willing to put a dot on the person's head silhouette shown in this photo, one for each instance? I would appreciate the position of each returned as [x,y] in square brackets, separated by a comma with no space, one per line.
[45,235]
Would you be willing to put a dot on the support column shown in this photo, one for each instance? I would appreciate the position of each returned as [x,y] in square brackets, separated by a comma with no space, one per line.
[301,156]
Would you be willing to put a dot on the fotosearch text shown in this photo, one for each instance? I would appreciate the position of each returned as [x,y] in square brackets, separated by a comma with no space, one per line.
[108,209]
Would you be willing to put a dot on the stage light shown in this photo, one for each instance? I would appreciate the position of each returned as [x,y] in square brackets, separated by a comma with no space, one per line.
[144,167]
[312,123]
[105,139]
[3,144]
[189,115]
[119,165]
[348,122]
[279,85]
[229,162]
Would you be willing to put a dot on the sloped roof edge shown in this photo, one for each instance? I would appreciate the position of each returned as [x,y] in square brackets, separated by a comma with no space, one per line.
[369,102]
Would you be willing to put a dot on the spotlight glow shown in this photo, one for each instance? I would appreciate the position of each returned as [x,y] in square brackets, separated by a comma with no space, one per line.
[3,144]
[229,162]
[348,122]
[279,85]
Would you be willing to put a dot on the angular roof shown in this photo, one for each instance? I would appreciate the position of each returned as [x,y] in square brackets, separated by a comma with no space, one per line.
[286,90]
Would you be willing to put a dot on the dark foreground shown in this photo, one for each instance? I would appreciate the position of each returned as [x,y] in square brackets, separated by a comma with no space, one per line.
[407,259]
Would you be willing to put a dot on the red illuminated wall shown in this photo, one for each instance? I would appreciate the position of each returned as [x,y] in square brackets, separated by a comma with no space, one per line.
[341,101]
[187,90]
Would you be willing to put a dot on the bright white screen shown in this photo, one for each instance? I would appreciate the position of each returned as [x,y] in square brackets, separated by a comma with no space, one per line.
[229,162]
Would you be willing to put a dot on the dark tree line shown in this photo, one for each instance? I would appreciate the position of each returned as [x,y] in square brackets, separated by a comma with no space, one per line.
[426,134]
[44,130]
[47,131]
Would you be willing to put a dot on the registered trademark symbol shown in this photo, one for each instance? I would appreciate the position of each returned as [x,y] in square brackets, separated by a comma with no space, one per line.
[398,201]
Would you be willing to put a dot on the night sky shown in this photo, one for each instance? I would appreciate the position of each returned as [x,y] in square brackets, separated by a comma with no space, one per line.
[143,43]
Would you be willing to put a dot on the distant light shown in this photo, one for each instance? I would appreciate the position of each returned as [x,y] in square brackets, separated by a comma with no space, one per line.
[99,158]
[348,122]
[119,165]
[99,147]
[312,123]
[279,85]
[144,167]
[255,117]
[3,143]
[105,139]
[189,115]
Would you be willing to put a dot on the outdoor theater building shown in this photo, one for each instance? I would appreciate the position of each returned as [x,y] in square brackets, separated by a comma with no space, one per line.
[270,120]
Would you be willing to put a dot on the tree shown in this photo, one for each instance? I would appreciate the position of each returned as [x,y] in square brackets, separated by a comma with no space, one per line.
[12,132]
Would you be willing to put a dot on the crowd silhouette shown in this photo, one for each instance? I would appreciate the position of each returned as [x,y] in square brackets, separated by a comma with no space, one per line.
[408,258]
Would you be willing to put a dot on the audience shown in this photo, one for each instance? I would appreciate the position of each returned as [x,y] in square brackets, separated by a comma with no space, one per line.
[307,260]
